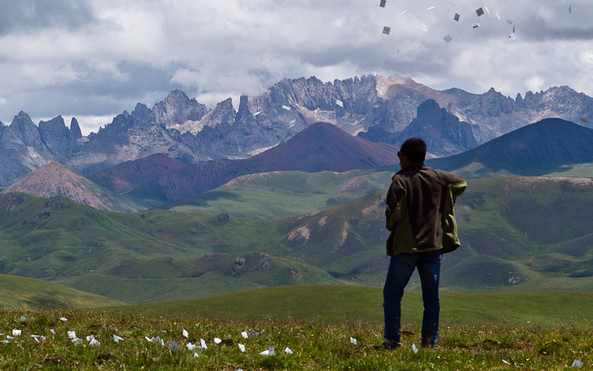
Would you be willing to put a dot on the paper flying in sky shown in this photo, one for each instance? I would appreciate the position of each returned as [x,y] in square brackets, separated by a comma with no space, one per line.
[456,17]
[448,38]
[340,103]
[382,4]
[386,30]
[480,12]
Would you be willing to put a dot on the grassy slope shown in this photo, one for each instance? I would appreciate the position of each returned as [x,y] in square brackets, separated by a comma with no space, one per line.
[33,294]
[358,304]
[279,195]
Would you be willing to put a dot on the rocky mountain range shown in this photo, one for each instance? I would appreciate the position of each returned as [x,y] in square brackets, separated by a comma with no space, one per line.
[189,132]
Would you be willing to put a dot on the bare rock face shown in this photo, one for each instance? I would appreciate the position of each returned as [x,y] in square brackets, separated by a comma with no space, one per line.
[443,133]
[177,109]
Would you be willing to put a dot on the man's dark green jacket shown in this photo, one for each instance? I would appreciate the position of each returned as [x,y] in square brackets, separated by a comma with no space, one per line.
[420,211]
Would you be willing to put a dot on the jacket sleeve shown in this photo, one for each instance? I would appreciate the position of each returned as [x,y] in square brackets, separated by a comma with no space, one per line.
[450,238]
[394,205]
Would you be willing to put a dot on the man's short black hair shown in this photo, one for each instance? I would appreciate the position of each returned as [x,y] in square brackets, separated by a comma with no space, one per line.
[414,149]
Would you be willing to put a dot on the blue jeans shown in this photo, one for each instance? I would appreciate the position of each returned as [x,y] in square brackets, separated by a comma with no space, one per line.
[400,270]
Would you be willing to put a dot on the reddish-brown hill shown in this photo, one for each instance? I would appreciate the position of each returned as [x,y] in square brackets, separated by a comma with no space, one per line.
[320,147]
[131,174]
[55,179]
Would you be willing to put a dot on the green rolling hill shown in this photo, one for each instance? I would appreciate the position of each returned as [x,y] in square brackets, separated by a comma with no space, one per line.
[284,194]
[33,294]
[518,234]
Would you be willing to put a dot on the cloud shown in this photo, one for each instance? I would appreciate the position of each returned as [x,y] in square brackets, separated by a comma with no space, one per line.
[96,58]
[28,16]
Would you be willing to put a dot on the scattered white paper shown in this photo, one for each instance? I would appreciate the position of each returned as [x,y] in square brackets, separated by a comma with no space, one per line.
[253,333]
[287,350]
[77,341]
[271,351]
[265,353]
[117,338]
[155,340]
[242,347]
[487,10]
[430,8]
[506,362]
[476,24]
[292,123]
[5,341]
[577,364]
[203,342]
[497,16]
[185,333]
[217,341]
[71,335]
[414,348]
[16,332]
[63,319]
[510,20]
[35,337]
[23,319]
[404,12]
[286,107]
[90,337]
[52,331]
[257,113]
[9,337]
[196,355]
[94,342]
[244,334]
[448,38]
[353,341]
[423,27]
[190,346]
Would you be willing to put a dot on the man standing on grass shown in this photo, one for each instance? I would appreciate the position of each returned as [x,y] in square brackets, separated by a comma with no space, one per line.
[420,217]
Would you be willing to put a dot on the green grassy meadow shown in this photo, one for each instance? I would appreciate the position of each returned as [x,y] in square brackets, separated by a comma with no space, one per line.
[537,331]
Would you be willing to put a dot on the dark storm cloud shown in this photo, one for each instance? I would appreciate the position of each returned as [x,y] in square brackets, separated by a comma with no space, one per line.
[17,16]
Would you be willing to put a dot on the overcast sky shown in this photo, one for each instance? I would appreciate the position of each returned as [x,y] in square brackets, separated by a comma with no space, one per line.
[92,59]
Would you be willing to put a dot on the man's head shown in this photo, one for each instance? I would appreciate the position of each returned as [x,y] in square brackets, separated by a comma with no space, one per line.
[412,151]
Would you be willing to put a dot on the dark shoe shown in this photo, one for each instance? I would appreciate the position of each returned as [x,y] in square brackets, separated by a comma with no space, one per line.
[428,344]
[388,344]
